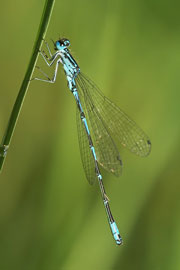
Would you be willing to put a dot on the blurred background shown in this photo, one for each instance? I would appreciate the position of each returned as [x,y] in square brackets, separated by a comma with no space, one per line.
[50,217]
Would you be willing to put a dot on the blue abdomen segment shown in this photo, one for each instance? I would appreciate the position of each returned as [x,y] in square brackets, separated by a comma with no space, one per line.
[116,233]
[85,123]
[93,151]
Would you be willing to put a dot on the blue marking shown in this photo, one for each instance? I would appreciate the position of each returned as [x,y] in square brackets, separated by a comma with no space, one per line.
[86,125]
[73,82]
[66,69]
[100,176]
[58,46]
[80,107]
[75,95]
[69,67]
[115,233]
[93,150]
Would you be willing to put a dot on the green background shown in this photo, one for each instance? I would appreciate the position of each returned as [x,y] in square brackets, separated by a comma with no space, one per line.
[50,218]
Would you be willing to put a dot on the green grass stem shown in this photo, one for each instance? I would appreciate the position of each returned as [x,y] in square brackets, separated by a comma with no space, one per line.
[25,83]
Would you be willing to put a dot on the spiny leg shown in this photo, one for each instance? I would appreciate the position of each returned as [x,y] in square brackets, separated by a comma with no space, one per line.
[48,79]
[50,53]
[45,75]
[52,59]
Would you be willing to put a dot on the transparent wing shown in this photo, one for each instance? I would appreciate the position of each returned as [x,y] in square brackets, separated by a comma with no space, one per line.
[85,151]
[106,151]
[116,121]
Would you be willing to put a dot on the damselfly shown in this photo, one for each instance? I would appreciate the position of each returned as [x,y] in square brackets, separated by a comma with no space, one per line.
[99,122]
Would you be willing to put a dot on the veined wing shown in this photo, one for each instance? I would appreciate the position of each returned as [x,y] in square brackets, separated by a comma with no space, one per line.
[116,121]
[106,151]
[85,151]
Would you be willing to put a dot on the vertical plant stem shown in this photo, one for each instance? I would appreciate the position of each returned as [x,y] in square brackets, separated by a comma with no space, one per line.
[24,86]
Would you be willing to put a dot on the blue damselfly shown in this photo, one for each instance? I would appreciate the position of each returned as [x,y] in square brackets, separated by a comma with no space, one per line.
[99,122]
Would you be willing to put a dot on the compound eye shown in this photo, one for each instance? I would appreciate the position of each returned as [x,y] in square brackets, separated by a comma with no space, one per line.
[67,43]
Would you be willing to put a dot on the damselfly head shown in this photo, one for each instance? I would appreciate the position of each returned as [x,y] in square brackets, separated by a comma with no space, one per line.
[62,44]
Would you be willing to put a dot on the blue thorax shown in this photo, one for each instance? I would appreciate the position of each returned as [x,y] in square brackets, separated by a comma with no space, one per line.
[70,66]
